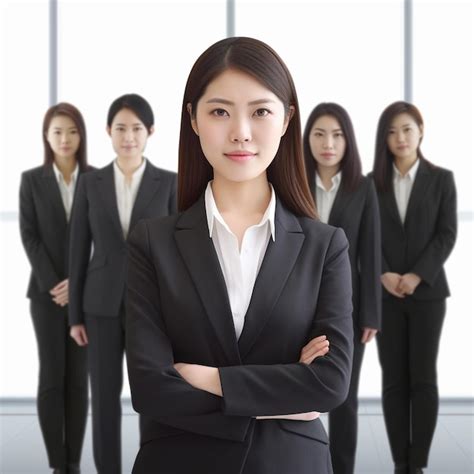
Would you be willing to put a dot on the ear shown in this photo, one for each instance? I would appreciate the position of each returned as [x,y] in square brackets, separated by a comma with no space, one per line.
[189,108]
[421,131]
[108,130]
[288,118]
[151,131]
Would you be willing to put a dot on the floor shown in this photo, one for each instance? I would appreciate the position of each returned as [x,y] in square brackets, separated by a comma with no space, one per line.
[452,450]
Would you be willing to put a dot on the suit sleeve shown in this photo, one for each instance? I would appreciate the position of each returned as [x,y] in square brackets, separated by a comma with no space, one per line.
[252,390]
[43,268]
[79,252]
[157,389]
[434,255]
[370,262]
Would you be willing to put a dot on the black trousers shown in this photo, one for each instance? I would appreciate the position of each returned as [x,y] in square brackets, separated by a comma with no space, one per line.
[62,400]
[105,359]
[408,349]
[343,420]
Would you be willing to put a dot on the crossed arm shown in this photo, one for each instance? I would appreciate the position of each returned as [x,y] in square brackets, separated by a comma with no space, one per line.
[208,378]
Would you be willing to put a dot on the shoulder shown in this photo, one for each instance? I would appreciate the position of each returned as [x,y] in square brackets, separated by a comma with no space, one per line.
[162,173]
[325,234]
[33,172]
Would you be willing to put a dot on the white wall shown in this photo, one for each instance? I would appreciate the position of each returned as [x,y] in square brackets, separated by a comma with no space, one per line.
[350,52]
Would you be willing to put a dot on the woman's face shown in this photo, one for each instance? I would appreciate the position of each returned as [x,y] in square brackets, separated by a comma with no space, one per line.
[129,135]
[63,137]
[327,142]
[240,124]
[404,137]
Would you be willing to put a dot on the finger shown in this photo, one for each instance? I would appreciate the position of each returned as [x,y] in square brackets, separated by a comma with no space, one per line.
[312,355]
[313,342]
[308,360]
[84,337]
[314,348]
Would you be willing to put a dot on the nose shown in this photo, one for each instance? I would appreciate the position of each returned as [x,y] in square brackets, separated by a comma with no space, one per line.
[240,132]
[328,142]
[129,136]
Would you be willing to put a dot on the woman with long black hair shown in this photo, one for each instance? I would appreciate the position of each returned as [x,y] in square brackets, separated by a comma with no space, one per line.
[417,203]
[46,198]
[346,199]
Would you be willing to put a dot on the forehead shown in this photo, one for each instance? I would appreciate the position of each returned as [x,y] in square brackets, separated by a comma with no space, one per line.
[236,86]
[327,122]
[401,120]
[62,121]
[126,116]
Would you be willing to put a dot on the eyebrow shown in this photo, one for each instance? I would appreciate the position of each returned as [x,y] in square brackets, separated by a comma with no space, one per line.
[124,124]
[217,100]
[60,128]
[404,125]
[324,130]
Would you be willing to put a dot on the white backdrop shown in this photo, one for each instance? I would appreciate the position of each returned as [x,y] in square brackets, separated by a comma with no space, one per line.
[350,52]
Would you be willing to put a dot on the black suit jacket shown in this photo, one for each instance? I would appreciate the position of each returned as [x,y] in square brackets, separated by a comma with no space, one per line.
[97,284]
[424,241]
[178,311]
[357,213]
[44,230]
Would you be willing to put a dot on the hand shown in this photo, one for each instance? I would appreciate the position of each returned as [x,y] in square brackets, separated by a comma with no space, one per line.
[60,293]
[79,334]
[368,334]
[317,347]
[390,281]
[201,377]
[408,283]
[309,416]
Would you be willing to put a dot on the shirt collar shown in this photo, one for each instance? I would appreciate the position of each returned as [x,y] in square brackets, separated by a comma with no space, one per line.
[137,174]
[336,181]
[60,177]
[213,213]
[411,172]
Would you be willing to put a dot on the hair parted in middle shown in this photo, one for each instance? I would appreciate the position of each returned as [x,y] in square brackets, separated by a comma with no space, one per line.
[350,165]
[286,172]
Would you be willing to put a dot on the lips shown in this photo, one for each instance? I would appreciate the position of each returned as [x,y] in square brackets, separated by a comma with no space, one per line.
[240,156]
[328,155]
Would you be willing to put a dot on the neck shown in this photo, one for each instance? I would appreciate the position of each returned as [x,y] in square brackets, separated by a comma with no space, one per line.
[326,173]
[241,198]
[66,165]
[404,164]
[129,165]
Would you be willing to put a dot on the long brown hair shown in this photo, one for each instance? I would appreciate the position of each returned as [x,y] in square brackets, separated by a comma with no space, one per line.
[383,159]
[67,110]
[350,165]
[286,172]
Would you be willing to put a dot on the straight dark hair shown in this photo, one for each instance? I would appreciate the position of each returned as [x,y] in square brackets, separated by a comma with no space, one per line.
[286,172]
[137,104]
[350,165]
[67,110]
[383,159]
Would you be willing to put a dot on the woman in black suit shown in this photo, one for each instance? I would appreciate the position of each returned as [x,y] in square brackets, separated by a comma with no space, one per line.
[109,203]
[346,199]
[231,304]
[418,216]
[46,196]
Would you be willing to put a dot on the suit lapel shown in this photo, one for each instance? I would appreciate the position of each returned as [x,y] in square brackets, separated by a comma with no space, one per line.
[418,191]
[279,260]
[200,257]
[51,189]
[147,189]
[106,186]
[340,203]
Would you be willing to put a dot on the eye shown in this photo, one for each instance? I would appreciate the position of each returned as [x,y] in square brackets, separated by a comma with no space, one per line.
[219,113]
[318,134]
[137,129]
[262,112]
[339,135]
